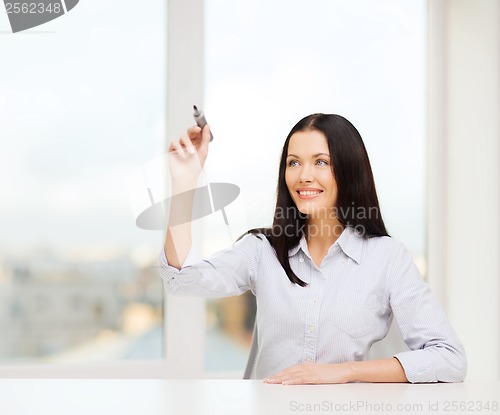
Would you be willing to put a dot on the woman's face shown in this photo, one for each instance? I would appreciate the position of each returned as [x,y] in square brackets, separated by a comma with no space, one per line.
[309,175]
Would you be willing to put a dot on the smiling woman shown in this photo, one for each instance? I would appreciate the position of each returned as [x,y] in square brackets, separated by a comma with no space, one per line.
[327,286]
[324,174]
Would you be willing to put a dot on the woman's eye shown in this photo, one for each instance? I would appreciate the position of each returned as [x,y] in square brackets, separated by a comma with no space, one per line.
[322,162]
[293,163]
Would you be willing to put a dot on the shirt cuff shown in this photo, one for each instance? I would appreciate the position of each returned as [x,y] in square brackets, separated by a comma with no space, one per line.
[192,258]
[417,365]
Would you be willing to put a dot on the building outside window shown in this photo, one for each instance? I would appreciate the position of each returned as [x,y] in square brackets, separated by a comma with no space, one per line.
[82,105]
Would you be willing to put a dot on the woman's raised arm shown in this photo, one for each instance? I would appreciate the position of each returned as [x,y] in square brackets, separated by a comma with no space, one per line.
[186,160]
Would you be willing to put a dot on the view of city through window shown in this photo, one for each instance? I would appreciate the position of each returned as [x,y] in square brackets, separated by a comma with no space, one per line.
[82,105]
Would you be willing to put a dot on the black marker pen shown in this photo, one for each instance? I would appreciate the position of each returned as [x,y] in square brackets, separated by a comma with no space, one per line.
[199,117]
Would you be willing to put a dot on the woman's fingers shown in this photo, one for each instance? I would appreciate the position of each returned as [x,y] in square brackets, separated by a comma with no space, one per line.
[176,147]
[307,373]
[205,134]
[194,141]
[186,142]
[205,140]
[194,132]
[191,139]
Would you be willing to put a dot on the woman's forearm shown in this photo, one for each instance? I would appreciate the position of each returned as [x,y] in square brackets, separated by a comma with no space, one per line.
[382,370]
[186,160]
[178,238]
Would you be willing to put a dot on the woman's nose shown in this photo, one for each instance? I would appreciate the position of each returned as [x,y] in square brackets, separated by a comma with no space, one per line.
[305,175]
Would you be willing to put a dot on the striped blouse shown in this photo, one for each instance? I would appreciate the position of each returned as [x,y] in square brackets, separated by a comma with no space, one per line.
[348,304]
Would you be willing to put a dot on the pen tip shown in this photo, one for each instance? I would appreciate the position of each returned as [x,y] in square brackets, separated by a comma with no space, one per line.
[194,107]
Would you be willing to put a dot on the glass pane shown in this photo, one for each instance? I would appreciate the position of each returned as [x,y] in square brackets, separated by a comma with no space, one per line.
[268,64]
[81,107]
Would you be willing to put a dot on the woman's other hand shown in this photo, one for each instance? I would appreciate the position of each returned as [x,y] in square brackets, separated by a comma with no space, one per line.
[311,373]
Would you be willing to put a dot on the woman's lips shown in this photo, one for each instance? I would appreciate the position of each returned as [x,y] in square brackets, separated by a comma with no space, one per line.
[308,194]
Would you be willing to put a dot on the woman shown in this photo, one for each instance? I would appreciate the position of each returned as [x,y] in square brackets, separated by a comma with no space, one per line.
[328,279]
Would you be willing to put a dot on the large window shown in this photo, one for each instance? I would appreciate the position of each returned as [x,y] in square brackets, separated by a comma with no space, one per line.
[82,103]
[268,64]
[82,106]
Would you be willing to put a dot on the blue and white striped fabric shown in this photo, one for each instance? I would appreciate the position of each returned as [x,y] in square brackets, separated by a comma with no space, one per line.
[348,304]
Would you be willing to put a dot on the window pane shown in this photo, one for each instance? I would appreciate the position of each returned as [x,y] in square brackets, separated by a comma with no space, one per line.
[81,107]
[268,64]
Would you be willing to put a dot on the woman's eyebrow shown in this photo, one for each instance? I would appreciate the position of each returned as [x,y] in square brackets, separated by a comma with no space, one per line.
[313,156]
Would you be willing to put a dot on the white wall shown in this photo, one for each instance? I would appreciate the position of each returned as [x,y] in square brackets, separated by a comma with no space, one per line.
[463,173]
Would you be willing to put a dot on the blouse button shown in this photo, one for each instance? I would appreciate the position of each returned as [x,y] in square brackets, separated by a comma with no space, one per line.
[301,260]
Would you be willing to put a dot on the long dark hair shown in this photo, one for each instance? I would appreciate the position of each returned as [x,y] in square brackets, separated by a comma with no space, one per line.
[357,201]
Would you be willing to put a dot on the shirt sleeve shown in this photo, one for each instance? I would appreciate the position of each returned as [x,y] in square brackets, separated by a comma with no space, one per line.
[436,354]
[227,273]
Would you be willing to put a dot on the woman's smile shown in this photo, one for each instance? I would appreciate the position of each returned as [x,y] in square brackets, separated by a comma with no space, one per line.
[309,193]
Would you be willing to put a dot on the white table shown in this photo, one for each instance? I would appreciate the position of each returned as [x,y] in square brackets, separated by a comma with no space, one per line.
[239,397]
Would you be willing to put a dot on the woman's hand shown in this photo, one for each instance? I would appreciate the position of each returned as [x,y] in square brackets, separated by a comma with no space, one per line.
[312,373]
[380,370]
[187,155]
